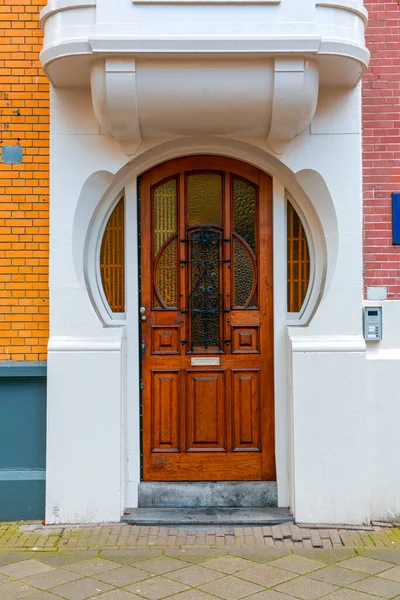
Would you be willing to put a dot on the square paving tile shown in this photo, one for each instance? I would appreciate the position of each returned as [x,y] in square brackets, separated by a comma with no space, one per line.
[81,589]
[43,596]
[7,558]
[24,569]
[15,590]
[156,588]
[195,555]
[162,564]
[130,556]
[266,575]
[306,589]
[297,564]
[378,586]
[45,581]
[329,557]
[194,595]
[116,595]
[194,575]
[4,579]
[393,574]
[92,566]
[62,558]
[350,595]
[392,556]
[229,564]
[123,576]
[270,595]
[231,588]
[261,555]
[337,576]
[365,565]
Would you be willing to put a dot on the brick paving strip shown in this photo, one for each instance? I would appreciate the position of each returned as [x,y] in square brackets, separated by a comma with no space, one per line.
[122,562]
[25,535]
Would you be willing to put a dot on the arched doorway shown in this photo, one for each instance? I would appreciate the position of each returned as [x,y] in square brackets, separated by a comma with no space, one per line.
[207,321]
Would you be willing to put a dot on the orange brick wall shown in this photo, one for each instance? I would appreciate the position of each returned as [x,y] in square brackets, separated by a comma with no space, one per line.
[24,188]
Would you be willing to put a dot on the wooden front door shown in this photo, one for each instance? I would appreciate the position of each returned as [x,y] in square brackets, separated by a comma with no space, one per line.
[207,321]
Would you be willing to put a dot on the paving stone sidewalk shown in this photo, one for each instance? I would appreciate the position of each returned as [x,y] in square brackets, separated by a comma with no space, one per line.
[122,562]
[200,573]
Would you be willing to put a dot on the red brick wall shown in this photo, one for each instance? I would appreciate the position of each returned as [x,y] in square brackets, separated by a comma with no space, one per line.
[381,145]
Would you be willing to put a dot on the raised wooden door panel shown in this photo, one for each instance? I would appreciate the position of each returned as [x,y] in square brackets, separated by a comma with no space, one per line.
[206,411]
[207,364]
[165,411]
[246,410]
[165,340]
[245,339]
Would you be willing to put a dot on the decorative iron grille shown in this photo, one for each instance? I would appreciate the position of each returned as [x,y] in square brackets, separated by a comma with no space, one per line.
[205,302]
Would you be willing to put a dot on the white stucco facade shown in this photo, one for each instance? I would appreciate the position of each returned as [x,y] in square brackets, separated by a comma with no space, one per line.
[275,84]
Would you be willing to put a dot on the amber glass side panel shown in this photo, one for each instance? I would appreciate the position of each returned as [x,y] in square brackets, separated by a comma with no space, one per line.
[298,261]
[165,245]
[166,276]
[164,213]
[112,259]
[204,199]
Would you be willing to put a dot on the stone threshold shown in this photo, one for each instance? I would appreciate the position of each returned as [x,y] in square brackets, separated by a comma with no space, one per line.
[215,516]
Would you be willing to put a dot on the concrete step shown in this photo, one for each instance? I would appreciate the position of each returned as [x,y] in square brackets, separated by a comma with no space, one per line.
[234,517]
[208,494]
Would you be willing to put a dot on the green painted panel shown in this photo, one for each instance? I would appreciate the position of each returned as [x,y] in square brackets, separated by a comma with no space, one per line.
[23,423]
[11,368]
[22,500]
[22,440]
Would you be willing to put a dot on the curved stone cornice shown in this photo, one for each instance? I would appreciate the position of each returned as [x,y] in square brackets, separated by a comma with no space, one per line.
[135,100]
[355,6]
[295,97]
[170,71]
[56,6]
[331,32]
[115,104]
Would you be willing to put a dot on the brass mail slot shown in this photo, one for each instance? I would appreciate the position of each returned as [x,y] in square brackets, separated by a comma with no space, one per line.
[205,361]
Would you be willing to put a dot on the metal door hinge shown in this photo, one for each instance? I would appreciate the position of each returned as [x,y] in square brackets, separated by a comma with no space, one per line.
[141,384]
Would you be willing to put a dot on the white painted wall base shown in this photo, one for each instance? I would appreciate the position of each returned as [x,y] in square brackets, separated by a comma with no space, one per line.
[383,370]
[85,436]
[330,429]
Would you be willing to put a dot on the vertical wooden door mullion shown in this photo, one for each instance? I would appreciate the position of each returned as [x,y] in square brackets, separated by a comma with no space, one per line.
[227,270]
[183,301]
[265,234]
[146,299]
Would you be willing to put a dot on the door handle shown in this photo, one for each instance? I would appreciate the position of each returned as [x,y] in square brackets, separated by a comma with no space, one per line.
[143,316]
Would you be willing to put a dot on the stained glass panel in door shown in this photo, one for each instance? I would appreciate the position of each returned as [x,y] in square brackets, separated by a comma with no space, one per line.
[244,243]
[165,245]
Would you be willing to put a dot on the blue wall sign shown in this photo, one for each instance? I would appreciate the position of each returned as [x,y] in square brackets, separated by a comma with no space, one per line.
[396,218]
[11,155]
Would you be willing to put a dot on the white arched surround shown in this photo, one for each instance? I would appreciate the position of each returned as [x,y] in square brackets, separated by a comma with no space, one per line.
[93,364]
[125,327]
[122,184]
